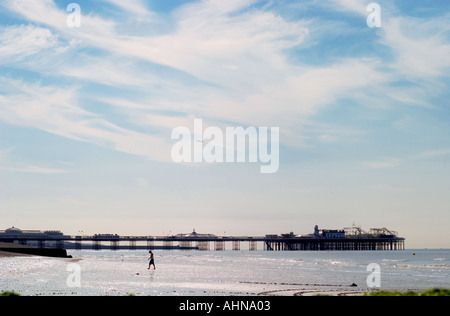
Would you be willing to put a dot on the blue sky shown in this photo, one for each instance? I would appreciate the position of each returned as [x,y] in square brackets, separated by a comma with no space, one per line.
[86,116]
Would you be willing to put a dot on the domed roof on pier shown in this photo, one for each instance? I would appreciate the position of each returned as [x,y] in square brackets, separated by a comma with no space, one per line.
[194,234]
[13,231]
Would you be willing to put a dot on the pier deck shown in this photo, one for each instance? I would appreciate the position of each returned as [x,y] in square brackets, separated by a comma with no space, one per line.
[236,243]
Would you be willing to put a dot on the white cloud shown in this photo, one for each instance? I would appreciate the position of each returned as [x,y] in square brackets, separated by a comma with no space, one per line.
[434,153]
[3,155]
[136,7]
[111,71]
[386,163]
[35,170]
[141,182]
[43,11]
[421,47]
[237,62]
[55,110]
[394,189]
[18,42]
[74,202]
[356,6]
[240,55]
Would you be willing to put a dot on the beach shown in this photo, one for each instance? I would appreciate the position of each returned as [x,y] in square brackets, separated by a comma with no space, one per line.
[195,273]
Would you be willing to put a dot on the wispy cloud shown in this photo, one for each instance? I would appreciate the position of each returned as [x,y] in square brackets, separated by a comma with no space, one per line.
[74,202]
[18,42]
[420,46]
[3,155]
[135,7]
[386,163]
[7,164]
[434,153]
[55,110]
[355,6]
[394,189]
[35,170]
[224,61]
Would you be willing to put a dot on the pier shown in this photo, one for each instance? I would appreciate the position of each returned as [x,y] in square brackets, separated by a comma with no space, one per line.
[349,239]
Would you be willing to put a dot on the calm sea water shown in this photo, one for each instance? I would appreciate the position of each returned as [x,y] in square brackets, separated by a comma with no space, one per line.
[223,273]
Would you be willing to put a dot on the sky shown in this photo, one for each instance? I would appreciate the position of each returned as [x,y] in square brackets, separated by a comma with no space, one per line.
[87,113]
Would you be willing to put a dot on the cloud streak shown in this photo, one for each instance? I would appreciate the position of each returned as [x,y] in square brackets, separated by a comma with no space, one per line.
[387,163]
[55,110]
[434,153]
[35,170]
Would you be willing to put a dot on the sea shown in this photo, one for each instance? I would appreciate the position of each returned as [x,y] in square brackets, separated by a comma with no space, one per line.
[225,273]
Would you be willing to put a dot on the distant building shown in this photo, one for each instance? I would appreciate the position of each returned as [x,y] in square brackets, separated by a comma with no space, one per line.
[288,235]
[16,233]
[107,236]
[328,233]
[195,235]
[333,234]
[316,232]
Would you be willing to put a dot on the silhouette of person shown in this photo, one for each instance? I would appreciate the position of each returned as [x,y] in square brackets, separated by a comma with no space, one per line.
[152,260]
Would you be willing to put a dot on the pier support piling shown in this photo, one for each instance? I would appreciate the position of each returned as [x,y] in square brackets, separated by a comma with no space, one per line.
[219,245]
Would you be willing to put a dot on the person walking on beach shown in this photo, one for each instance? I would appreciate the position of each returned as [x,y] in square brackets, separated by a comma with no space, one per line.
[152,261]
